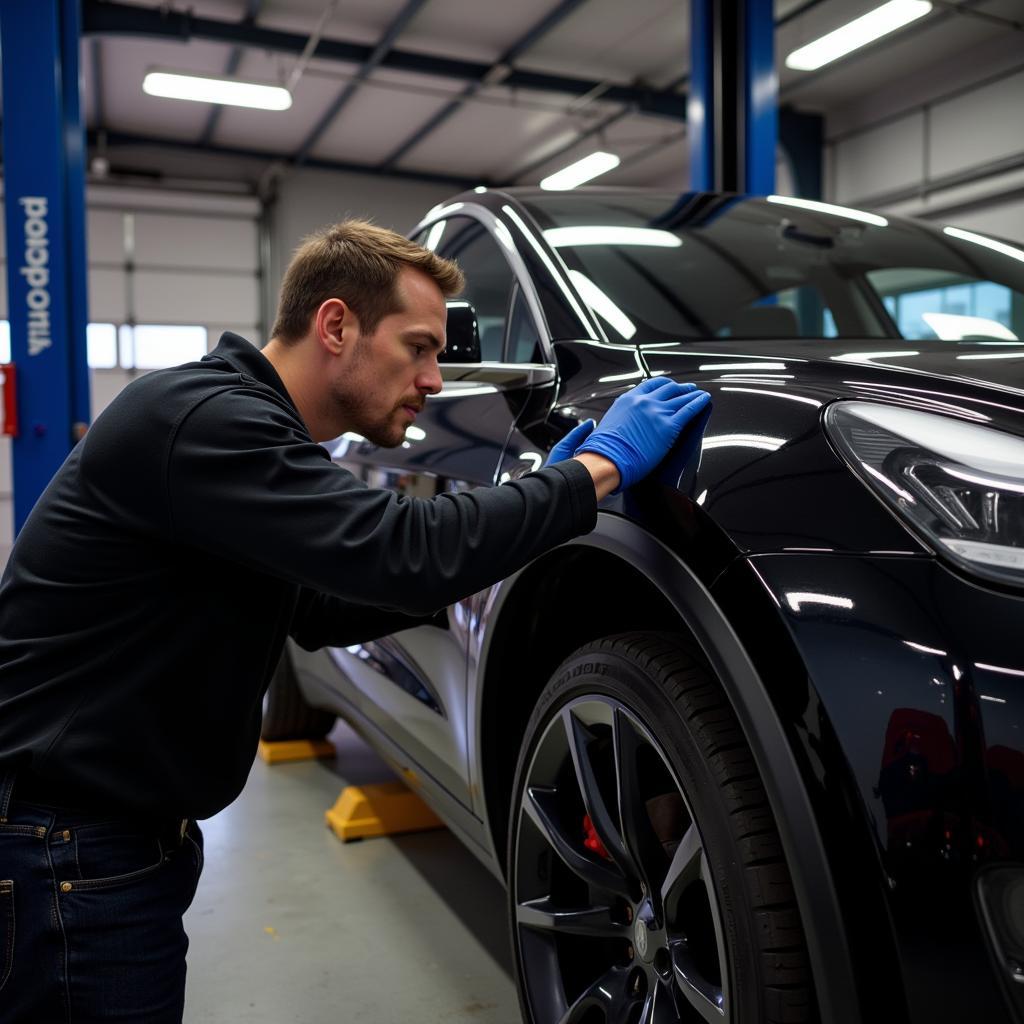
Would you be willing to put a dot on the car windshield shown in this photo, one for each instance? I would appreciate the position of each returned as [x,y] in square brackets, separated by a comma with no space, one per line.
[660,268]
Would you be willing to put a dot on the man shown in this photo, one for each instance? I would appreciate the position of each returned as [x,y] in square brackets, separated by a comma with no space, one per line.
[196,526]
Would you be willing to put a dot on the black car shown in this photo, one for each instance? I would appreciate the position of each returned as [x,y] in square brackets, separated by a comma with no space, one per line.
[753,750]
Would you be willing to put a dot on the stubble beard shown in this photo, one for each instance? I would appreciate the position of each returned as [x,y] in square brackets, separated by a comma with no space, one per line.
[352,401]
[355,410]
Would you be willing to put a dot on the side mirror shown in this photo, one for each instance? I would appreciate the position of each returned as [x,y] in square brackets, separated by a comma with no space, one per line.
[463,334]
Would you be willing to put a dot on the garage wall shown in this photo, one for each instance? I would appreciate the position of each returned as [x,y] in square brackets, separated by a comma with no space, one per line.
[162,257]
[310,199]
[952,151]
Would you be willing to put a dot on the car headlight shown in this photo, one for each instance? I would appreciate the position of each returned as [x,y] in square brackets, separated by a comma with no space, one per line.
[960,485]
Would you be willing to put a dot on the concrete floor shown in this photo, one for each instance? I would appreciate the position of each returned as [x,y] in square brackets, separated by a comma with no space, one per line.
[290,924]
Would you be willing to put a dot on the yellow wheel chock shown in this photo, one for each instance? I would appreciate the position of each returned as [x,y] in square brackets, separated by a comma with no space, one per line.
[295,750]
[380,809]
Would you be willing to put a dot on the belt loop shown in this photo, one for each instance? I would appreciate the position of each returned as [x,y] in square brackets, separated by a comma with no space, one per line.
[6,789]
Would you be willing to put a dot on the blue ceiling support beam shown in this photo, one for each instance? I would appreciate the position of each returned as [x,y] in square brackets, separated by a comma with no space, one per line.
[802,141]
[501,72]
[380,51]
[234,59]
[44,202]
[732,110]
[96,54]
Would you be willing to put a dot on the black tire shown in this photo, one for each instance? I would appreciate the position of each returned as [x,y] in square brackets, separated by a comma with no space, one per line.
[286,713]
[683,910]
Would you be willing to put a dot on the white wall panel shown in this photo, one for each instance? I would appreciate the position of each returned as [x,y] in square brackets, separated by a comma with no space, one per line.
[105,236]
[105,386]
[309,199]
[250,332]
[107,296]
[880,160]
[979,127]
[170,297]
[1005,220]
[181,241]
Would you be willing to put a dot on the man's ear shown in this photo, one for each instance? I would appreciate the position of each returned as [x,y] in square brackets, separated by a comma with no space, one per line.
[334,325]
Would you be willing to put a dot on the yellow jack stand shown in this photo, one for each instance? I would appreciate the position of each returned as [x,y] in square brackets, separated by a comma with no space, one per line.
[295,750]
[382,809]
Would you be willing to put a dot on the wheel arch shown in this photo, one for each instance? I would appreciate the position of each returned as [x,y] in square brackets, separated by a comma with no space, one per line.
[654,589]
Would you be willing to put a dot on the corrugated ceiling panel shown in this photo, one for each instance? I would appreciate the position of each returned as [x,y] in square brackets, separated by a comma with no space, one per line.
[278,131]
[125,63]
[608,39]
[472,30]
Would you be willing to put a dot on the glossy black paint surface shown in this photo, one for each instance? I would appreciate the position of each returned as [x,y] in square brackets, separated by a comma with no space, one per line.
[899,694]
[910,679]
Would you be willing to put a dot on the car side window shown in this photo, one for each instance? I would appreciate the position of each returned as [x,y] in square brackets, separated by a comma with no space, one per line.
[523,340]
[489,279]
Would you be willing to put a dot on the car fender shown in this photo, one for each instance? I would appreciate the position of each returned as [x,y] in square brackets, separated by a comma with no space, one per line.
[804,847]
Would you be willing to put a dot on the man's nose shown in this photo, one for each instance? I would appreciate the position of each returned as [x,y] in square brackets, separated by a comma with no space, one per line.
[430,381]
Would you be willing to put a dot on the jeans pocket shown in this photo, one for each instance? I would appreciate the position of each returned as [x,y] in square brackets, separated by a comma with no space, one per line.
[108,855]
[6,929]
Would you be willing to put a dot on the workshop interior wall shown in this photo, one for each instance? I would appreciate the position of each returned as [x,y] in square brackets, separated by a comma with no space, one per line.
[307,199]
[943,146]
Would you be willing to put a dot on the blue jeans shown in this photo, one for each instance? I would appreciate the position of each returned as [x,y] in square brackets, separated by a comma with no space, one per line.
[90,915]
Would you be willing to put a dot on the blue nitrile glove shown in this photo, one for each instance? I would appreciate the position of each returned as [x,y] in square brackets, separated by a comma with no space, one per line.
[684,456]
[642,425]
[566,448]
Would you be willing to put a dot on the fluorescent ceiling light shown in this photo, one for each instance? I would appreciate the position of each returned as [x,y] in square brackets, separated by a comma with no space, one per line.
[595,234]
[838,211]
[989,243]
[857,33]
[215,89]
[581,171]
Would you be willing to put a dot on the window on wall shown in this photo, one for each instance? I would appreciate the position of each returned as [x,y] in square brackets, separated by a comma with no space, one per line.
[101,340]
[949,307]
[143,347]
[154,346]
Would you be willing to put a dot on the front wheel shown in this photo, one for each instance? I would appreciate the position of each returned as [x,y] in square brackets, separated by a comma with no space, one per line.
[646,877]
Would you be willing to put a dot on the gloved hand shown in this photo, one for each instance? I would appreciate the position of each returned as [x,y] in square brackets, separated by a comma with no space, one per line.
[683,457]
[566,448]
[642,425]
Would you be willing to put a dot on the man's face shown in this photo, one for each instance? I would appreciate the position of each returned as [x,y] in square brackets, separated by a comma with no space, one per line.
[384,378]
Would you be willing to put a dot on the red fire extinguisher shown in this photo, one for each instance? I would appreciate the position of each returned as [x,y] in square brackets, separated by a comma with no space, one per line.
[9,404]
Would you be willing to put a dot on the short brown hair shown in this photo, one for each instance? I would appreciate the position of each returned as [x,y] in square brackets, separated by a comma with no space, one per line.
[358,262]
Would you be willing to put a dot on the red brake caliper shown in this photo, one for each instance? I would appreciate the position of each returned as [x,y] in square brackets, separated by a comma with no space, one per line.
[591,840]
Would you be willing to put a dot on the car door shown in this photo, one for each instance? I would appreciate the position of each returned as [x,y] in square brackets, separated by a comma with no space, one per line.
[413,684]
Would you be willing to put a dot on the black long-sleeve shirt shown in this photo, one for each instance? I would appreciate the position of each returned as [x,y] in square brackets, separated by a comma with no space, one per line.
[196,525]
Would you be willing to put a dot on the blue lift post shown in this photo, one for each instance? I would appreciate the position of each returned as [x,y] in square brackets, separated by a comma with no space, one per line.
[732,115]
[44,200]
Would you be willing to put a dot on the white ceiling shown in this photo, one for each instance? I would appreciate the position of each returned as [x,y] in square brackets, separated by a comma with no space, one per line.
[499,135]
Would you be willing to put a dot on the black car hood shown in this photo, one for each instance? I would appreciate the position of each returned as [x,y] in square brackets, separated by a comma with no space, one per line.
[1000,364]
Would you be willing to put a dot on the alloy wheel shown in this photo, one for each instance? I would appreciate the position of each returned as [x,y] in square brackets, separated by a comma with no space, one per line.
[616,914]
